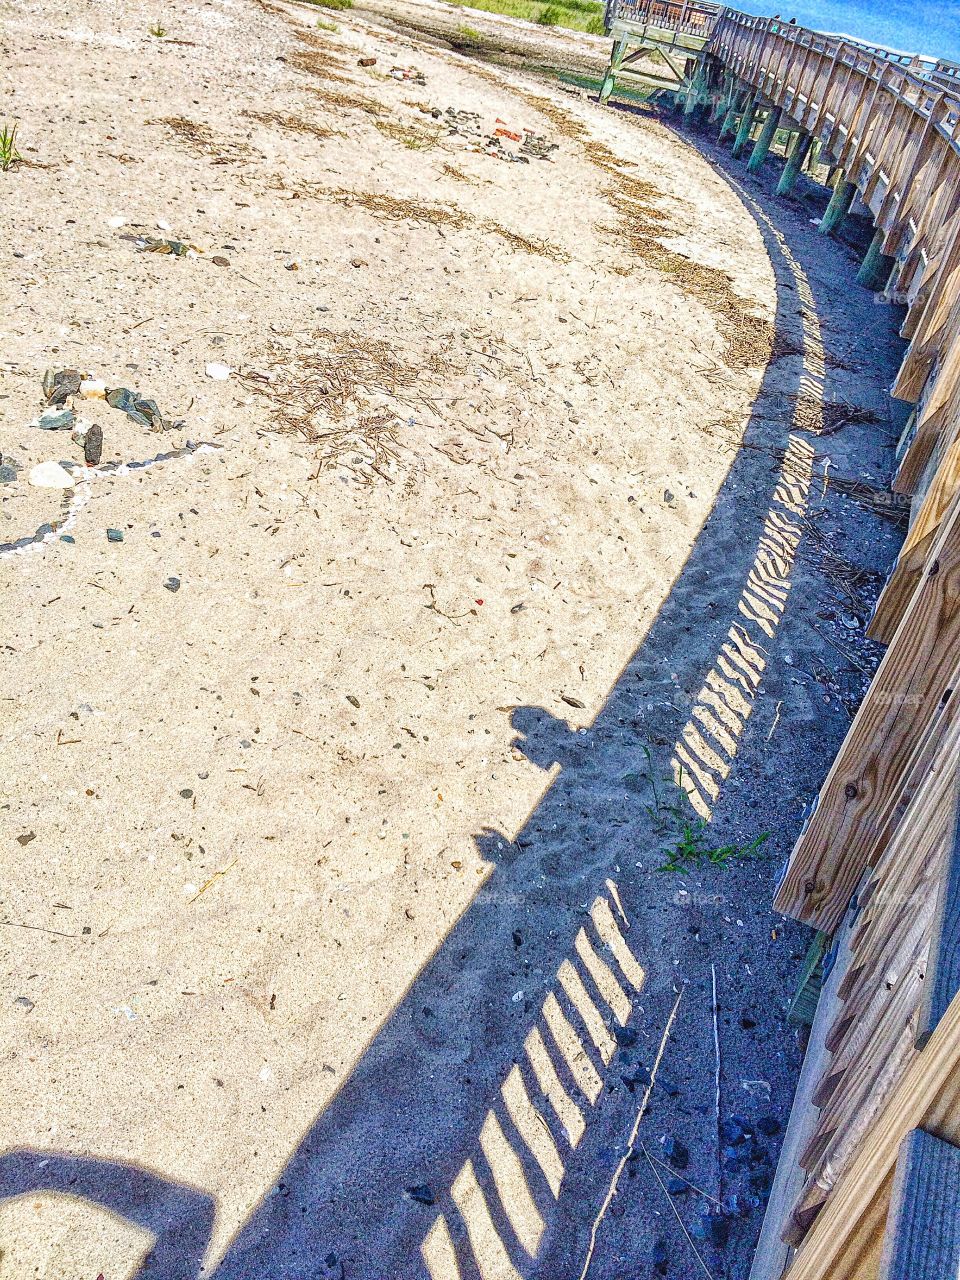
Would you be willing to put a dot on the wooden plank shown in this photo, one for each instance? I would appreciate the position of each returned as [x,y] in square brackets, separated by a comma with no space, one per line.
[845,1241]
[942,978]
[772,1253]
[840,841]
[922,1238]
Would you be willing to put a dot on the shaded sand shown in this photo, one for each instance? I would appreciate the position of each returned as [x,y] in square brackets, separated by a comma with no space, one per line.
[478,415]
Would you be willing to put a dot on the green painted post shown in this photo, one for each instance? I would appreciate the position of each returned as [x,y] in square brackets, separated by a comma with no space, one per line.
[746,124]
[617,55]
[876,266]
[839,206]
[788,178]
[738,103]
[762,145]
[694,90]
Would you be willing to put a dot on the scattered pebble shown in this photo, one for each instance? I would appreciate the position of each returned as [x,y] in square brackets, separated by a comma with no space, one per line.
[50,475]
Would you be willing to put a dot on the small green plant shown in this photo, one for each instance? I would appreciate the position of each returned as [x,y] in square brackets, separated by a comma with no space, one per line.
[550,16]
[327,26]
[693,848]
[158,31]
[331,4]
[9,155]
[467,38]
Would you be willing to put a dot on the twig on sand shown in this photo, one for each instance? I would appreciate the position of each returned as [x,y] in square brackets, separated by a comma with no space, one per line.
[615,1180]
[716,1091]
[676,1214]
[216,876]
[673,1174]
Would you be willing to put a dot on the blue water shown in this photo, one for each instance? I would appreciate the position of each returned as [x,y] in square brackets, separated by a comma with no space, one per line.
[913,26]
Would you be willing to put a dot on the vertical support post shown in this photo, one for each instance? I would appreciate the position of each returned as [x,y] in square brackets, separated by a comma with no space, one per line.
[617,55]
[839,206]
[801,147]
[876,266]
[746,124]
[762,145]
[738,103]
[694,89]
[814,157]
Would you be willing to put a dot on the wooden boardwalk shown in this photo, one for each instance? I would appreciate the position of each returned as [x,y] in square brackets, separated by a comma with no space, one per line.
[869,1180]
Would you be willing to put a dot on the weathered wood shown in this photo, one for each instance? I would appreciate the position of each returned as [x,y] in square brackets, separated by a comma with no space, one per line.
[772,1252]
[838,206]
[922,1237]
[845,1240]
[761,147]
[942,977]
[831,855]
[791,170]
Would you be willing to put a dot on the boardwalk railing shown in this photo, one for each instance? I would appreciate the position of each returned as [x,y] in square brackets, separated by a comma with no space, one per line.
[869,1180]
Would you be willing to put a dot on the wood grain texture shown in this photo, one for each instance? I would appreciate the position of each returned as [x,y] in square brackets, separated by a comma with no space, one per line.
[942,978]
[922,1237]
[845,1240]
[864,782]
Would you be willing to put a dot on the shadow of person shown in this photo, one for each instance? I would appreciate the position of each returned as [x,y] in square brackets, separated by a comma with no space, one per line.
[179,1217]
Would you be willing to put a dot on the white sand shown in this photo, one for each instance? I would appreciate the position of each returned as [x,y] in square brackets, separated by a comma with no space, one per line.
[249,868]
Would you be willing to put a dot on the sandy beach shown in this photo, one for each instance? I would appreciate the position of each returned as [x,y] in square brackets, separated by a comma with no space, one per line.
[333,701]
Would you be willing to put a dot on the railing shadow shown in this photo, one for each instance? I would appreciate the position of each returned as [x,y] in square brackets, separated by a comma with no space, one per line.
[477,1134]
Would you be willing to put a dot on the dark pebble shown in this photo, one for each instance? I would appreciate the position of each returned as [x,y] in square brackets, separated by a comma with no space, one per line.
[676,1153]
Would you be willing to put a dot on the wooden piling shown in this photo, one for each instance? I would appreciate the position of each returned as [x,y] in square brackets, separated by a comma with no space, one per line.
[746,124]
[738,103]
[801,149]
[762,145]
[617,54]
[876,266]
[839,206]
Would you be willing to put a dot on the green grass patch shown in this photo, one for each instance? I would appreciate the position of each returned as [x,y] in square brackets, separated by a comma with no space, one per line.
[331,4]
[9,155]
[577,15]
[622,92]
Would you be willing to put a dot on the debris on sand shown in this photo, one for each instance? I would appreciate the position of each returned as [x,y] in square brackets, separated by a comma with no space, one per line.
[54,420]
[50,475]
[143,412]
[177,248]
[60,384]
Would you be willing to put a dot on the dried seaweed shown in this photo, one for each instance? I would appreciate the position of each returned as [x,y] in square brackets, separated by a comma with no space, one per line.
[397,208]
[458,175]
[348,101]
[293,124]
[201,139]
[316,62]
[748,338]
[408,136]
[318,387]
